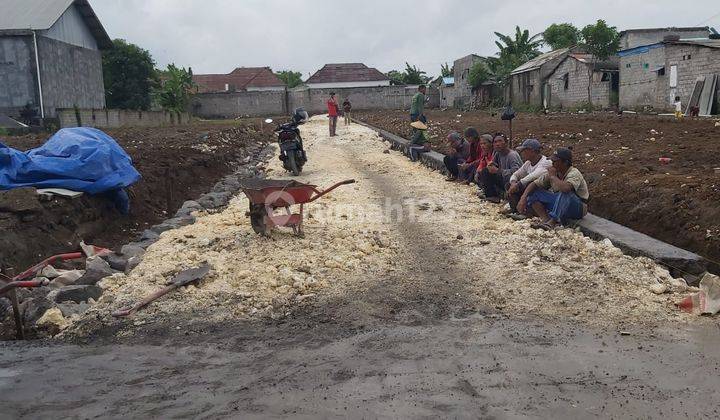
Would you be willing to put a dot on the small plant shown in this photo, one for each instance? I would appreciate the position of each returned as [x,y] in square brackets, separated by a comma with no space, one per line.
[4,132]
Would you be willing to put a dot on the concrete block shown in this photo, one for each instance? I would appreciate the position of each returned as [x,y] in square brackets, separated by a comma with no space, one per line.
[679,261]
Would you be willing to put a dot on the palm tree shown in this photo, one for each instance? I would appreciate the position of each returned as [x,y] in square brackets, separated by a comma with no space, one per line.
[523,47]
[514,52]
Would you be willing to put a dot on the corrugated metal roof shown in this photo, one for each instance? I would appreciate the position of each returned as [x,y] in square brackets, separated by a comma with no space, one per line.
[609,64]
[41,15]
[710,43]
[539,61]
[31,14]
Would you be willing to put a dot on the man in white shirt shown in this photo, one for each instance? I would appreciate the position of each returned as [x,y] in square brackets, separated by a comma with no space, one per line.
[535,166]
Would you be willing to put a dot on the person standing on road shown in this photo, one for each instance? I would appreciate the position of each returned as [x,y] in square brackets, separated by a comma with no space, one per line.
[535,166]
[333,110]
[496,176]
[558,196]
[417,107]
[347,107]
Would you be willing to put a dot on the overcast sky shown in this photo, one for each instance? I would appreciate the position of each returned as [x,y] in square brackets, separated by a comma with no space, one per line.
[215,36]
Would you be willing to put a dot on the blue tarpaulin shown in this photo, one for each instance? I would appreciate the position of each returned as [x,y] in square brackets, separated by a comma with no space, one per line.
[78,159]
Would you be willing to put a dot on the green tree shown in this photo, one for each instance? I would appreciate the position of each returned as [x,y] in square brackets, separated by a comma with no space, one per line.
[561,35]
[446,70]
[514,52]
[396,78]
[414,76]
[479,74]
[129,75]
[291,78]
[174,92]
[602,41]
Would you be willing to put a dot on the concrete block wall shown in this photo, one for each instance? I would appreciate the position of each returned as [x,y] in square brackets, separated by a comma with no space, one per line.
[314,101]
[640,86]
[17,74]
[239,104]
[71,76]
[577,91]
[116,118]
[463,91]
[692,62]
[365,98]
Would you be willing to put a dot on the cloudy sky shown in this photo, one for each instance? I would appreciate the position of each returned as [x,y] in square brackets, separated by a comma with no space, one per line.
[215,36]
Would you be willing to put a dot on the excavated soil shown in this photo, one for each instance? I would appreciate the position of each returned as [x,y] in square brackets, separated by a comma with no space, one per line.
[619,155]
[176,164]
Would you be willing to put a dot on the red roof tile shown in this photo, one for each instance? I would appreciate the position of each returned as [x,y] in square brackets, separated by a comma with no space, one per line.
[347,72]
[241,78]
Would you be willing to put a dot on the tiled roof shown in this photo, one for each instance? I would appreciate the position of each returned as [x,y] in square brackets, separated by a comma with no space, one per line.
[241,78]
[347,72]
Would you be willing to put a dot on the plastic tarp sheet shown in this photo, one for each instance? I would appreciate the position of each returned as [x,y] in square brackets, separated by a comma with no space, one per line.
[78,159]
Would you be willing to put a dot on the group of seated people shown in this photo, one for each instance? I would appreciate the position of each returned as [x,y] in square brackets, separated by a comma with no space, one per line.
[534,185]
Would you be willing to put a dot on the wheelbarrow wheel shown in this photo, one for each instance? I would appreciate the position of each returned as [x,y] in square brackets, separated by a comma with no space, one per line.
[257,218]
[293,164]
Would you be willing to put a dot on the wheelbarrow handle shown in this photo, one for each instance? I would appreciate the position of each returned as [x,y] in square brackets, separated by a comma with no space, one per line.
[321,193]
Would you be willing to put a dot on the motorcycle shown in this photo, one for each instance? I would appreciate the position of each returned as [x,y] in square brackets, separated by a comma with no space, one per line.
[292,153]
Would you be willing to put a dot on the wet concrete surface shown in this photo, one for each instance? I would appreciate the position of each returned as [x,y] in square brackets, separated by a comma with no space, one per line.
[480,366]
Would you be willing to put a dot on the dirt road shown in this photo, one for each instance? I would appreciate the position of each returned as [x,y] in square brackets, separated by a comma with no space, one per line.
[407,298]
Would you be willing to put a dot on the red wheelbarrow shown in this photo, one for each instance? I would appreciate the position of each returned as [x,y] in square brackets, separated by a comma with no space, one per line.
[266,195]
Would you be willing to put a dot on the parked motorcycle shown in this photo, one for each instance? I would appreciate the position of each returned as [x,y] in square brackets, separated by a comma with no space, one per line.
[292,153]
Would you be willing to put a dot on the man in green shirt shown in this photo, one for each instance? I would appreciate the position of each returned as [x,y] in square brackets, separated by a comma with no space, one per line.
[417,108]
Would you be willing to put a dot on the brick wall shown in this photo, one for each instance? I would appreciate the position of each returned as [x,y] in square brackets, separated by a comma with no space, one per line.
[114,118]
[577,87]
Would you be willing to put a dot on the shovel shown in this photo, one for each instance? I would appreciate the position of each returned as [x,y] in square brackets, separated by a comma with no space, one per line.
[181,279]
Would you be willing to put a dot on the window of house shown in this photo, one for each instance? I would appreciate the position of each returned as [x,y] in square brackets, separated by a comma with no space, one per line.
[628,65]
[605,77]
[661,71]
[566,81]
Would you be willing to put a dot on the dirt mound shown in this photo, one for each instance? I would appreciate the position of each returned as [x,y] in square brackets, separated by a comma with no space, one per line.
[620,157]
[176,164]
